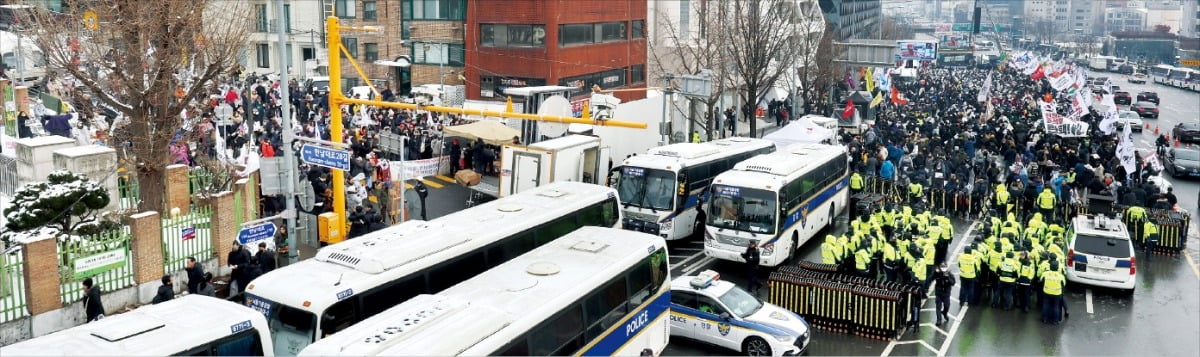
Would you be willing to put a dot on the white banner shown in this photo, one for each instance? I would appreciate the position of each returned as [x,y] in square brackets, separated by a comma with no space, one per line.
[1126,151]
[1152,161]
[986,91]
[1057,124]
[1078,108]
[1110,114]
[1060,80]
[415,169]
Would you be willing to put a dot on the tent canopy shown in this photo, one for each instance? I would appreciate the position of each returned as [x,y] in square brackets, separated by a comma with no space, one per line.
[802,130]
[492,132]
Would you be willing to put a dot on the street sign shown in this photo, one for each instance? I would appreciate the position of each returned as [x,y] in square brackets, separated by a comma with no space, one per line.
[223,111]
[273,173]
[255,233]
[326,157]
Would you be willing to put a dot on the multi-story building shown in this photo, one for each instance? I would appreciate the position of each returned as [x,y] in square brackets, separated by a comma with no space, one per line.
[853,19]
[304,39]
[555,42]
[1124,19]
[430,32]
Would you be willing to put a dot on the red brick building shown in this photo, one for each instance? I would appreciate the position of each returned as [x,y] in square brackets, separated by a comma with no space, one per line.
[519,43]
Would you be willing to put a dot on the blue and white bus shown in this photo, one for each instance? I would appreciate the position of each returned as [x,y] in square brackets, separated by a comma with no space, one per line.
[660,191]
[779,200]
[356,279]
[595,291]
[1161,73]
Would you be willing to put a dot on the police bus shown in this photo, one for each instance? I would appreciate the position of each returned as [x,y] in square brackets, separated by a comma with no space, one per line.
[595,291]
[1185,78]
[660,191]
[350,281]
[190,325]
[779,200]
[1161,73]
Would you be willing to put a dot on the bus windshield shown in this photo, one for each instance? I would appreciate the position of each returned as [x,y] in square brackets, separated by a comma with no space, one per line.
[647,188]
[291,329]
[744,209]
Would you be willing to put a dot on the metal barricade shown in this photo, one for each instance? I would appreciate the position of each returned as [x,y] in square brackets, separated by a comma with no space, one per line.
[842,303]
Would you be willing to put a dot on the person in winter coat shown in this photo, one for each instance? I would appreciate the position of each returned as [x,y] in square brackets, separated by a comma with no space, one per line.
[206,287]
[166,291]
[239,261]
[195,275]
[93,307]
[265,259]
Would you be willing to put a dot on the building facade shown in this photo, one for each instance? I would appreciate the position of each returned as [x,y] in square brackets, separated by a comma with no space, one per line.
[1124,19]
[853,19]
[525,43]
[304,39]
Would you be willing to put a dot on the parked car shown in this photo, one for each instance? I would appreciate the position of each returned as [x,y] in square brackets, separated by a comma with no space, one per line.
[1182,162]
[1145,109]
[1139,78]
[1186,132]
[1131,118]
[1148,96]
[1122,98]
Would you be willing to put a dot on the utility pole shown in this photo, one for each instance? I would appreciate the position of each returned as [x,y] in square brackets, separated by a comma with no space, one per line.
[286,108]
[664,127]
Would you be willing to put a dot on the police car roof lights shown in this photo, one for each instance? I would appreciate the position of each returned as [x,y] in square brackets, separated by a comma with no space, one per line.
[705,279]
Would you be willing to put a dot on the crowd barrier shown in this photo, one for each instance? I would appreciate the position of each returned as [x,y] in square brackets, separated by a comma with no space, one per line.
[1172,228]
[844,303]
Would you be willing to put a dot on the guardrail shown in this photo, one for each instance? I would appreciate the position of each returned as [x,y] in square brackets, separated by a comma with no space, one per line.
[843,303]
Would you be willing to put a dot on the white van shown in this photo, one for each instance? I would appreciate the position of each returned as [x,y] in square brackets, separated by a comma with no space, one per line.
[34,62]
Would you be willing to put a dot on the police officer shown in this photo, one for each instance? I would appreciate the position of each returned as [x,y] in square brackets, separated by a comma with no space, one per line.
[944,281]
[968,268]
[1134,217]
[862,261]
[1024,280]
[752,257]
[1052,289]
[830,251]
[856,187]
[914,192]
[1150,236]
[891,259]
[1008,278]
[917,275]
[1046,201]
[1001,199]
[695,136]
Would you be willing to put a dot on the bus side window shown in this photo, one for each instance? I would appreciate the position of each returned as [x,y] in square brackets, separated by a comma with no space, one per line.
[384,297]
[509,248]
[245,343]
[553,230]
[605,307]
[558,336]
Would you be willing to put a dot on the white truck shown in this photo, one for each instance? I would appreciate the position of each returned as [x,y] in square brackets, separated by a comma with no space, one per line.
[577,158]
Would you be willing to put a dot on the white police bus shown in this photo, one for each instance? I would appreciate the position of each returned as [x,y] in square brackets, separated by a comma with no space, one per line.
[353,280]
[190,325]
[1161,73]
[595,291]
[660,191]
[779,200]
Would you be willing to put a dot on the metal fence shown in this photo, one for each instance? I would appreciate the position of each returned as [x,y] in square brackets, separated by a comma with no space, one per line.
[186,236]
[12,286]
[107,258]
[8,176]
[128,192]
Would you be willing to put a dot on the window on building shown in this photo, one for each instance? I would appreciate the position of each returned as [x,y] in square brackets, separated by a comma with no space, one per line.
[498,35]
[685,19]
[344,9]
[351,45]
[576,34]
[639,29]
[287,18]
[260,19]
[263,55]
[434,9]
[308,53]
[370,52]
[637,74]
[369,10]
[438,53]
[610,31]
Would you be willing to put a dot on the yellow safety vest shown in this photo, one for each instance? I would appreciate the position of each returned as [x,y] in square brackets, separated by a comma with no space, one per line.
[918,270]
[1008,271]
[1148,229]
[967,265]
[829,253]
[695,137]
[914,188]
[1002,197]
[1046,200]
[1028,271]
[856,181]
[861,259]
[1136,213]
[1054,282]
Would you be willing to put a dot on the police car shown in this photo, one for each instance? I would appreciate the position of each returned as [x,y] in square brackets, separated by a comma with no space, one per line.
[710,310]
[1101,253]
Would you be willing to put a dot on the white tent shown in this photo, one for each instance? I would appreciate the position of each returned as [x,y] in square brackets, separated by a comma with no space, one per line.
[802,130]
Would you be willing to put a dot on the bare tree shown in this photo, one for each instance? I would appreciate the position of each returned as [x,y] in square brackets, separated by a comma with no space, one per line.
[812,41]
[893,29]
[683,51]
[761,54]
[1042,30]
[152,62]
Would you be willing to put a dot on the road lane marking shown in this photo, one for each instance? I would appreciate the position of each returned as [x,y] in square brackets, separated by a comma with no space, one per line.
[1088,296]
[686,260]
[444,178]
[696,266]
[432,183]
[952,262]
[1192,262]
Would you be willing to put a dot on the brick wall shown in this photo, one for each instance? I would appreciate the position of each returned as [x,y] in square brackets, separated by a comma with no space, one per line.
[390,44]
[224,228]
[178,191]
[146,228]
[42,284]
[434,32]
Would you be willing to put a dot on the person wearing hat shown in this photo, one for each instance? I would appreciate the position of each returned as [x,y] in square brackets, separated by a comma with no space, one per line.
[1007,273]
[239,261]
[1052,289]
[943,281]
[968,270]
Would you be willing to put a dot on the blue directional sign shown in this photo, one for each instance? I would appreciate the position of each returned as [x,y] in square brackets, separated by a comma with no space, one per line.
[326,157]
[257,232]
